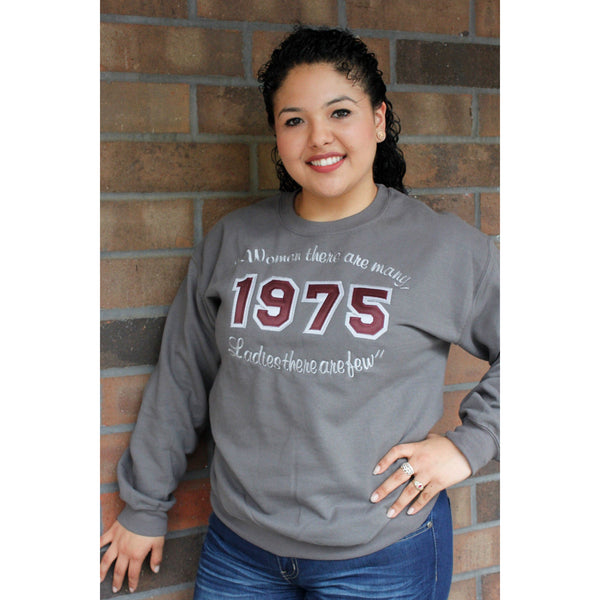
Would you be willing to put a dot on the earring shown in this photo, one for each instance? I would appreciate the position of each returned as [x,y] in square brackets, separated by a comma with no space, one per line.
[381,136]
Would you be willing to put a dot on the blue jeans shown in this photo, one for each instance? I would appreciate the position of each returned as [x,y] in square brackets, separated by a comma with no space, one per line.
[418,567]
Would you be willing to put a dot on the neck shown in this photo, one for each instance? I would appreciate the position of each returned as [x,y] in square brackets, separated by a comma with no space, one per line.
[317,208]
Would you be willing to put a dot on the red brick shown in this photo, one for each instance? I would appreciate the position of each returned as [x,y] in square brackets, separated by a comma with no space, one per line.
[192,507]
[173,167]
[112,446]
[144,107]
[170,50]
[450,419]
[264,42]
[111,505]
[457,63]
[487,18]
[490,587]
[214,209]
[231,110]
[307,12]
[491,468]
[477,549]
[174,9]
[490,213]
[435,16]
[488,501]
[381,48]
[198,459]
[267,177]
[146,224]
[463,367]
[462,205]
[452,165]
[460,500]
[180,595]
[141,281]
[466,589]
[121,398]
[423,113]
[489,115]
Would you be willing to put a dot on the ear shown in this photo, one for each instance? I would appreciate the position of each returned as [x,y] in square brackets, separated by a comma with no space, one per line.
[379,115]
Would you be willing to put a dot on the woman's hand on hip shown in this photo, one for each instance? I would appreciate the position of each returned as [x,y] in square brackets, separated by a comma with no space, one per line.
[437,464]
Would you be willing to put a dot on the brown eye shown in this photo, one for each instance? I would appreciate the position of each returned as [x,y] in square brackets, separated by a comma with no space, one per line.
[340,113]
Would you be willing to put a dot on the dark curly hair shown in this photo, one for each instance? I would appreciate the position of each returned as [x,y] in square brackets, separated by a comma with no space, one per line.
[350,56]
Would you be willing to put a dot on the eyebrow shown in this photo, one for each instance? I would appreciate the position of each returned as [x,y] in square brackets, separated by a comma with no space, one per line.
[334,101]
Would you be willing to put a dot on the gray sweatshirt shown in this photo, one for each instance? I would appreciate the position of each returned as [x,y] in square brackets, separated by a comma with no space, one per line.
[313,348]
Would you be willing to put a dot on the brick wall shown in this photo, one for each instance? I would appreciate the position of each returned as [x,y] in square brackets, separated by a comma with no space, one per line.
[184,140]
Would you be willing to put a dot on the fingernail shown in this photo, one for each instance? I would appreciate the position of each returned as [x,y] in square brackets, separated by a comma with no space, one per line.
[410,511]
[390,513]
[374,497]
[131,590]
[114,589]
[377,470]
[156,569]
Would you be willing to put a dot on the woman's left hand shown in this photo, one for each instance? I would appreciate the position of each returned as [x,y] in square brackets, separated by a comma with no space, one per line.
[437,463]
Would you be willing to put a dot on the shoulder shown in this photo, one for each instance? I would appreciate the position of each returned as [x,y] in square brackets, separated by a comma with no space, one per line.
[250,218]
[443,232]
[420,215]
[250,215]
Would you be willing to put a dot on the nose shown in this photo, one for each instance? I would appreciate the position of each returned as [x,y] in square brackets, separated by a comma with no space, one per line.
[320,134]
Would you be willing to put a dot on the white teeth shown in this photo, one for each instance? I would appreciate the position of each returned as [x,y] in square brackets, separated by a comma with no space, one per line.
[326,162]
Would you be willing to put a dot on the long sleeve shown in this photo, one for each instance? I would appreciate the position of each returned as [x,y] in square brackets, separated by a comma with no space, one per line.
[174,408]
[478,437]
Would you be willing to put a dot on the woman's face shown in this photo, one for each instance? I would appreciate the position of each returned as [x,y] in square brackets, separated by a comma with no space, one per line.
[326,133]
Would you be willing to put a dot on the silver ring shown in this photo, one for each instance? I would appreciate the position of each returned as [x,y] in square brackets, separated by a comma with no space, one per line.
[418,484]
[407,468]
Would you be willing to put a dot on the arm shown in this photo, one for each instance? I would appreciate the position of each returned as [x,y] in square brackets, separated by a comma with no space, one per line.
[442,461]
[174,407]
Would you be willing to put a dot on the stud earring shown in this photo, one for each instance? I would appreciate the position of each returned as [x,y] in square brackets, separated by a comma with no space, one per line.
[381,136]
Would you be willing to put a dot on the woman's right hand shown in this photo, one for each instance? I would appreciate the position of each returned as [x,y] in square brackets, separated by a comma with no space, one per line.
[129,550]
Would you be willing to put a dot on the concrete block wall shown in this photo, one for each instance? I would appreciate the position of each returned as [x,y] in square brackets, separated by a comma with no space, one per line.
[184,140]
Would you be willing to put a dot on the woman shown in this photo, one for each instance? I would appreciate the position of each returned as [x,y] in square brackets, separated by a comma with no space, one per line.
[312,331]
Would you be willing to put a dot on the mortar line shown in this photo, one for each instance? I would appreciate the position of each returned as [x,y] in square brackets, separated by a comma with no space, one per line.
[475,573]
[473,494]
[126,371]
[193,111]
[191,9]
[341,14]
[222,24]
[247,52]
[126,314]
[477,527]
[132,254]
[478,210]
[475,114]
[198,227]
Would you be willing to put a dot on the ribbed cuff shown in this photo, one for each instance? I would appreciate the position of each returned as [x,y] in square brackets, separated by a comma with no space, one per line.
[478,445]
[143,522]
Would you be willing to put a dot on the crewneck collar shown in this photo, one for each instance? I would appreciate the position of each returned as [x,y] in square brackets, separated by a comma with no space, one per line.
[294,222]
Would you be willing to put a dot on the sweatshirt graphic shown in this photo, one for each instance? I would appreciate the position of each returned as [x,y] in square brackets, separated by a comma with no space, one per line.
[313,348]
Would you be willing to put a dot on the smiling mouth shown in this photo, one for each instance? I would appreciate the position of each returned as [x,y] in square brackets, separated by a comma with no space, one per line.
[326,162]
